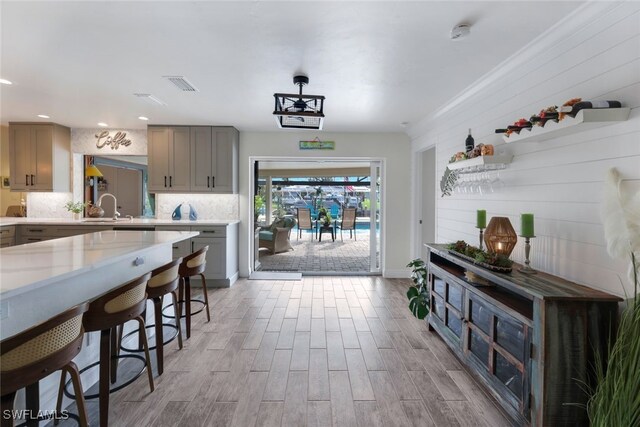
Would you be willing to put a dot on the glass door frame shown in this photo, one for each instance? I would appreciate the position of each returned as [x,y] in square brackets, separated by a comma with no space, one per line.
[376,267]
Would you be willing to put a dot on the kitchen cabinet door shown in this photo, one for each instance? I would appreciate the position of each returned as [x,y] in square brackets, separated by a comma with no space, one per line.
[216,256]
[225,161]
[20,157]
[42,158]
[180,159]
[201,155]
[158,158]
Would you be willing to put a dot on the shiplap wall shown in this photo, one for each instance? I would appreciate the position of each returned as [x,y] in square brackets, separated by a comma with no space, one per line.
[559,180]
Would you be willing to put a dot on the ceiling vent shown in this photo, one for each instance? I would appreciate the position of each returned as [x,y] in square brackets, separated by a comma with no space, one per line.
[150,98]
[298,111]
[181,83]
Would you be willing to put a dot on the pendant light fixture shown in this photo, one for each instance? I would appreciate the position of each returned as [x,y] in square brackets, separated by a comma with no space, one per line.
[298,111]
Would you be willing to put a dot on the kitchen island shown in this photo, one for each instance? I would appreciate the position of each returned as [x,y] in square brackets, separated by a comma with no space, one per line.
[220,235]
[40,280]
[43,279]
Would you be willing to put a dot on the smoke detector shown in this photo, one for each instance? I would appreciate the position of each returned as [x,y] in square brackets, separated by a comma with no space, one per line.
[460,31]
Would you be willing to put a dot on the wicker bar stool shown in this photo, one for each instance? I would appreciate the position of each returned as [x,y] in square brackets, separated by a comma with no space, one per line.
[105,314]
[39,351]
[164,280]
[192,265]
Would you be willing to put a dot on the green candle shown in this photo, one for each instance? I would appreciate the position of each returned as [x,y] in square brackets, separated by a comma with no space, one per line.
[526,229]
[481,219]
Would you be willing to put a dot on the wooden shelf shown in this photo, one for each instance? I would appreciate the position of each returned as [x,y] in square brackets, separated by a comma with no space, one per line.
[481,163]
[584,120]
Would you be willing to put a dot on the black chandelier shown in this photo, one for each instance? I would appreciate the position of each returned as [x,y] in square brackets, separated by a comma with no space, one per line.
[298,111]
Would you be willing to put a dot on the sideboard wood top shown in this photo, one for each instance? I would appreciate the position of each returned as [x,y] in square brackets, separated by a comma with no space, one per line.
[541,285]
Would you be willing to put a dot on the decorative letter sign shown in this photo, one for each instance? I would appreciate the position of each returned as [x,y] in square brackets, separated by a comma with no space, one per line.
[104,139]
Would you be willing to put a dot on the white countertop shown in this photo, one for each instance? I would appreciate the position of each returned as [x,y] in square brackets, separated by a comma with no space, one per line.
[26,268]
[43,279]
[120,223]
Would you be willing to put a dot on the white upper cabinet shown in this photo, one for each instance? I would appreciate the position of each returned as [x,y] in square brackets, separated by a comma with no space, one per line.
[39,157]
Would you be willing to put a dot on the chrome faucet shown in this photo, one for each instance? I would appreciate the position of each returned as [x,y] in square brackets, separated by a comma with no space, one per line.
[116,214]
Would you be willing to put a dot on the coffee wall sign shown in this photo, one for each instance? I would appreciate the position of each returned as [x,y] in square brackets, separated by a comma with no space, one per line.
[100,142]
[105,139]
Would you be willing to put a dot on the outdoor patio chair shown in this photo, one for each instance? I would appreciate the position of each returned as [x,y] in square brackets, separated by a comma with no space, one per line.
[304,221]
[348,222]
[276,237]
[335,211]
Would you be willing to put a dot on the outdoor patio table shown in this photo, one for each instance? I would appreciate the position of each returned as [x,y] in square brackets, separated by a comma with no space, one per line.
[326,229]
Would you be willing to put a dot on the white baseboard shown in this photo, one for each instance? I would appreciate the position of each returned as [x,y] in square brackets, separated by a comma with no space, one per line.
[397,274]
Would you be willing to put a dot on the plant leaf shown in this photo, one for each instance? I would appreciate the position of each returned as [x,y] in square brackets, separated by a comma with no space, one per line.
[412,292]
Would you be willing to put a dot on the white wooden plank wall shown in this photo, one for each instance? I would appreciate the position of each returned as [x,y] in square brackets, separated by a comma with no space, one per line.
[559,180]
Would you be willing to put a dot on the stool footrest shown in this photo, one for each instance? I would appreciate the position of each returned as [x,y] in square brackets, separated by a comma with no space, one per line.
[111,389]
[169,316]
[140,350]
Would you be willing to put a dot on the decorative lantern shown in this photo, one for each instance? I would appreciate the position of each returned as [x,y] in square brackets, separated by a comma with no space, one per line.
[500,237]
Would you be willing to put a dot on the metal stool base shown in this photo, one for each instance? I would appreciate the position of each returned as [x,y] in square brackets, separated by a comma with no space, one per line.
[184,315]
[111,389]
[140,350]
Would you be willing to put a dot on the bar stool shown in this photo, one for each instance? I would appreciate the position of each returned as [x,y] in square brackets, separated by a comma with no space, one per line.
[36,353]
[192,265]
[105,314]
[164,280]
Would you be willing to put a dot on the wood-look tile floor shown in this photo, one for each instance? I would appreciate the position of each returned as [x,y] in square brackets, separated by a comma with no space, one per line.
[341,351]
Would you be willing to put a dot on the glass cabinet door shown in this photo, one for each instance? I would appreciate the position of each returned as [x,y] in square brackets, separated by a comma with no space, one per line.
[447,306]
[500,343]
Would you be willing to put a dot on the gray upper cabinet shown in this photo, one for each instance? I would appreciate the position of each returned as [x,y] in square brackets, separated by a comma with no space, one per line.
[196,159]
[224,173]
[214,159]
[169,158]
[201,155]
[39,157]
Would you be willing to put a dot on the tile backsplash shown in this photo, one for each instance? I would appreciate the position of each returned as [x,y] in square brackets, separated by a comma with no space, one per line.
[208,206]
[48,205]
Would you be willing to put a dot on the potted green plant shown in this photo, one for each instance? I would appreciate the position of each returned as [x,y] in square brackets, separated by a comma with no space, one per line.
[324,217]
[76,208]
[615,400]
[418,293]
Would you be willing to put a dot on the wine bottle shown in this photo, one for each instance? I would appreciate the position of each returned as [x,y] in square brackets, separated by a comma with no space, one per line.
[469,142]
[572,110]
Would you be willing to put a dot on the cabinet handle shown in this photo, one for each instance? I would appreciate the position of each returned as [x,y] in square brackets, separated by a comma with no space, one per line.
[208,231]
[192,246]
[31,179]
[26,179]
[165,181]
[208,179]
[170,177]
[36,230]
[213,178]
[175,247]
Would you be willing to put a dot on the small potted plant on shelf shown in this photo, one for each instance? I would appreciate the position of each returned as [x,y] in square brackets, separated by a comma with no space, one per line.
[76,208]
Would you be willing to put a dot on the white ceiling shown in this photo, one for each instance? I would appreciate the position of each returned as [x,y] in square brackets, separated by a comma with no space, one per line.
[378,63]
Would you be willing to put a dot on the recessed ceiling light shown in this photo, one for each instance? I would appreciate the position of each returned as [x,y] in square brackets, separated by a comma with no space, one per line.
[143,118]
[43,116]
[5,82]
[104,125]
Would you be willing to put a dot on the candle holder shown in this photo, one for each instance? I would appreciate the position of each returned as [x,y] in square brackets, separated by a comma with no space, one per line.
[481,238]
[526,269]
